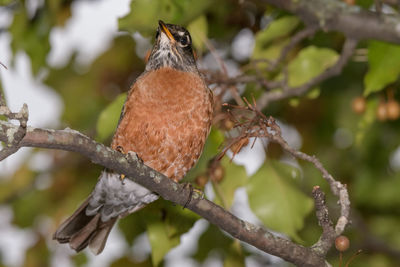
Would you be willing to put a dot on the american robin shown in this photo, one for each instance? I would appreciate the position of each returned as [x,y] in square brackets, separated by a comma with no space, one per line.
[166,119]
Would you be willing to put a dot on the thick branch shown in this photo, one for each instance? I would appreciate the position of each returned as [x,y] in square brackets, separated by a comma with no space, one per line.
[138,172]
[352,21]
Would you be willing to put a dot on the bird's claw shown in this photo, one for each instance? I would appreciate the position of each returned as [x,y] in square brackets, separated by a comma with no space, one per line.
[199,193]
[122,177]
[121,150]
[133,156]
[130,156]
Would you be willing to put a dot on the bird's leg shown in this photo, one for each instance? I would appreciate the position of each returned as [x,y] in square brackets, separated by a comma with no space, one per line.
[130,156]
[133,156]
[199,193]
[121,150]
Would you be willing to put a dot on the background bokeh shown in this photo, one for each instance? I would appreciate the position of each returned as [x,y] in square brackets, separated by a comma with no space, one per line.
[72,61]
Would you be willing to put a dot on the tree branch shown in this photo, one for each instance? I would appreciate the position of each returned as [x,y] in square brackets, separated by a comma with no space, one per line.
[328,236]
[294,40]
[347,51]
[136,171]
[259,126]
[13,137]
[353,21]
[283,90]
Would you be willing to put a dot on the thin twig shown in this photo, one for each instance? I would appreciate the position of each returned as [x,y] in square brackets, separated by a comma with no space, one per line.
[351,21]
[284,90]
[1,63]
[328,235]
[294,40]
[232,88]
[258,125]
[347,51]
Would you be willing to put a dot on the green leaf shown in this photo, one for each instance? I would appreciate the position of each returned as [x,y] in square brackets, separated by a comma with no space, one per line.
[138,219]
[27,208]
[277,29]
[5,2]
[159,240]
[198,30]
[31,36]
[384,66]
[145,14]
[270,41]
[235,257]
[270,52]
[79,259]
[235,177]
[212,240]
[275,199]
[165,224]
[109,117]
[385,191]
[309,63]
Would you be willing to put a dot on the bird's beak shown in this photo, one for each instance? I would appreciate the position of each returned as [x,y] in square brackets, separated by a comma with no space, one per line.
[165,30]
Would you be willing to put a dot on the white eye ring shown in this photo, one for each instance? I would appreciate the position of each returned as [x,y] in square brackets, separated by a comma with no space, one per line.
[184,41]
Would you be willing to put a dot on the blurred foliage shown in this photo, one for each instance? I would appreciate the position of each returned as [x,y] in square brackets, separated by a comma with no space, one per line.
[109,117]
[356,147]
[316,60]
[275,199]
[384,66]
[145,14]
[198,30]
[273,38]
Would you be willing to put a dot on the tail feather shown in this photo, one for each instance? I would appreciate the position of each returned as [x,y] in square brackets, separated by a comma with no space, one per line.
[98,241]
[92,222]
[81,230]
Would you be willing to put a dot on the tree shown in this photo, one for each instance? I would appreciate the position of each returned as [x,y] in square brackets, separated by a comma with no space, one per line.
[328,68]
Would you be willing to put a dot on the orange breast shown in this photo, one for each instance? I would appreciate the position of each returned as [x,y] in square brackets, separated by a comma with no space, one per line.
[166,120]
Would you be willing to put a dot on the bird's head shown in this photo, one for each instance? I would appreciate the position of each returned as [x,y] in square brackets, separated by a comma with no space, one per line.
[172,48]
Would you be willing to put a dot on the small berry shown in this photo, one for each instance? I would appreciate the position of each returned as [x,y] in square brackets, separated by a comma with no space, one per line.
[359,105]
[201,180]
[381,112]
[217,174]
[342,243]
[228,124]
[392,110]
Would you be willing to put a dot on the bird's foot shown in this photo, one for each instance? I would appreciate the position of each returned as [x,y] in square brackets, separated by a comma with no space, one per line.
[130,156]
[133,156]
[122,176]
[193,193]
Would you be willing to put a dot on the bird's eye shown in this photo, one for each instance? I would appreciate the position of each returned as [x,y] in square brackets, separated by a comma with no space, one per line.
[184,40]
[157,33]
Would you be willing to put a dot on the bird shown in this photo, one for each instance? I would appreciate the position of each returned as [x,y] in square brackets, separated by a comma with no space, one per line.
[165,121]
